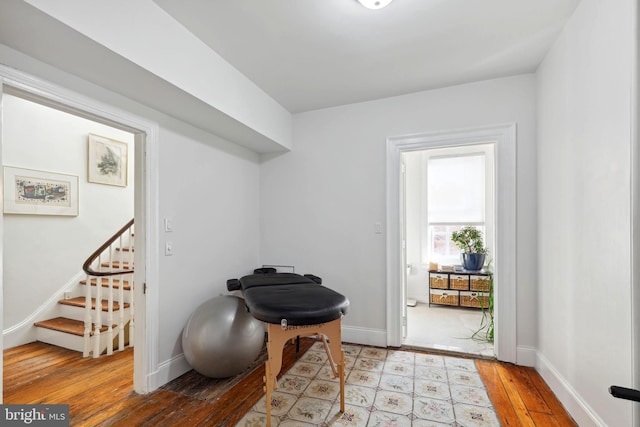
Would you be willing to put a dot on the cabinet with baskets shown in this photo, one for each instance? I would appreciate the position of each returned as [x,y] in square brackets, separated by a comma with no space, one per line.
[460,289]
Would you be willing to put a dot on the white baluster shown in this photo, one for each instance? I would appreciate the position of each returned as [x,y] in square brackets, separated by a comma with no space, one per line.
[87,319]
[131,313]
[109,312]
[97,312]
[121,301]
[131,286]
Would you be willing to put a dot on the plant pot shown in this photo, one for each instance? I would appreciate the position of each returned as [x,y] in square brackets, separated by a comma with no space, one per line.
[473,262]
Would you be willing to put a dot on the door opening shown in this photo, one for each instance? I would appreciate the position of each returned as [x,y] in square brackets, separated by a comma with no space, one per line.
[503,138]
[444,190]
[146,237]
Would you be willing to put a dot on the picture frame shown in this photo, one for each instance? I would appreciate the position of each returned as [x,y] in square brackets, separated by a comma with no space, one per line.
[34,192]
[108,161]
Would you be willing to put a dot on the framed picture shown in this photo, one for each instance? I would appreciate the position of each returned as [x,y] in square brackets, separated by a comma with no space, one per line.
[33,192]
[107,161]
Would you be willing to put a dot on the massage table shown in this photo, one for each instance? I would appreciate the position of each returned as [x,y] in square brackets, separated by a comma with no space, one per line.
[293,305]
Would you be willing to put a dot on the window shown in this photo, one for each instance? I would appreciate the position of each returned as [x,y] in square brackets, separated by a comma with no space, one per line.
[459,193]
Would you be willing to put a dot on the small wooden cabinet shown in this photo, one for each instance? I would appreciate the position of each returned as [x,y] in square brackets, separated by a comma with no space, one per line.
[461,289]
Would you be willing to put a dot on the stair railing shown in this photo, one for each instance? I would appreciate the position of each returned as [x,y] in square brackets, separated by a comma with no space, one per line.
[110,263]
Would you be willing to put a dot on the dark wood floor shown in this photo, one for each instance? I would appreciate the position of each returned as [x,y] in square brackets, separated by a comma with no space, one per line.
[99,391]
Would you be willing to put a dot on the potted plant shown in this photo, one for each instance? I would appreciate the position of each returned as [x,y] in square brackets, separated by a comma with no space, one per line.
[471,244]
[487,328]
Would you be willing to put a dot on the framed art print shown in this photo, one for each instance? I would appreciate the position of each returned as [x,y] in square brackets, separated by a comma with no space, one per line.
[107,161]
[34,192]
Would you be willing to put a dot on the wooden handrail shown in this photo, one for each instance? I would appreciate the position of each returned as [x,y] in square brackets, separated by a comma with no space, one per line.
[87,264]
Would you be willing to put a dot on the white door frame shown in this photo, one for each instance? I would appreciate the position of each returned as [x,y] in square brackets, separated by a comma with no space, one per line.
[504,137]
[145,208]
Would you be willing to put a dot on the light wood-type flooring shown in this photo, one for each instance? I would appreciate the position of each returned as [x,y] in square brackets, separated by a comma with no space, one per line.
[100,391]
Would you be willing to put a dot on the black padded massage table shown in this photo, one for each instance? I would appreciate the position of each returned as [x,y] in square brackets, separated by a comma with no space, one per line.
[294,305]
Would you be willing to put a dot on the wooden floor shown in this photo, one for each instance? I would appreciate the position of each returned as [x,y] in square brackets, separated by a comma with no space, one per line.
[99,391]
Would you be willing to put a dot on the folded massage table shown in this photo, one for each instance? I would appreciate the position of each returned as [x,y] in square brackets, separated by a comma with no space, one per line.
[294,305]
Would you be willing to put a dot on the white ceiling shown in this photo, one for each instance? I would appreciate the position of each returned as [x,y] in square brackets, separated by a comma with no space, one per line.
[310,54]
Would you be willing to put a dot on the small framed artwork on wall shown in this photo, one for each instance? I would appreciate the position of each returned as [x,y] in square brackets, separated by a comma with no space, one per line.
[107,161]
[34,192]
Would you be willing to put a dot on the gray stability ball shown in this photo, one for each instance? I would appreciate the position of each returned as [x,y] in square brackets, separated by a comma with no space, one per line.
[221,338]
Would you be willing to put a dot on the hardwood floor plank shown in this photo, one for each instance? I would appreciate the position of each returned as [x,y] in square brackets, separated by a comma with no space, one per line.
[497,393]
[509,383]
[558,411]
[542,419]
[61,385]
[527,390]
[145,408]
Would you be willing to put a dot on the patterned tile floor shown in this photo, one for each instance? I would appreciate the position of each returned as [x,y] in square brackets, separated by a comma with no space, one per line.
[383,388]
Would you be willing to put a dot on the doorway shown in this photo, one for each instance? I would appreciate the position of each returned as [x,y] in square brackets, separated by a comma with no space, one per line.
[445,190]
[503,138]
[146,237]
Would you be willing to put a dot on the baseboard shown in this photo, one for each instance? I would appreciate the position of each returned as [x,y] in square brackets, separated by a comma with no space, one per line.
[167,371]
[581,412]
[364,336]
[526,356]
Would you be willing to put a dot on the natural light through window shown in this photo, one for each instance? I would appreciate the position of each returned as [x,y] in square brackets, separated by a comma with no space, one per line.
[455,198]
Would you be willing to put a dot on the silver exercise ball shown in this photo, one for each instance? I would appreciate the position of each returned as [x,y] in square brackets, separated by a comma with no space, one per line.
[221,338]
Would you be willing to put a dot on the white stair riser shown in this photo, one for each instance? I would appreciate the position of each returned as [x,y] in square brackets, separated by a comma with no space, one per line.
[116,294]
[61,339]
[70,341]
[77,313]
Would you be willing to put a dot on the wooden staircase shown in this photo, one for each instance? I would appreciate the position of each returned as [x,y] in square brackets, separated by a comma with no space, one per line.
[84,324]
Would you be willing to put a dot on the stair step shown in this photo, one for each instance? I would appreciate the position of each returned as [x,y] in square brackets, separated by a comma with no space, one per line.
[70,326]
[127,249]
[105,283]
[116,264]
[80,302]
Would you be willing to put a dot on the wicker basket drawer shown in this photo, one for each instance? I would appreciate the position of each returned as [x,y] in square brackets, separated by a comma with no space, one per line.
[459,282]
[438,281]
[480,283]
[474,299]
[444,297]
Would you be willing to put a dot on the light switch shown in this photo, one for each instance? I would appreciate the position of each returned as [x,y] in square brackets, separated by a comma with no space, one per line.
[168,225]
[378,228]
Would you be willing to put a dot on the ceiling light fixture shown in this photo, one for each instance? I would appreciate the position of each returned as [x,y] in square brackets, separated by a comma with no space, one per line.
[375,4]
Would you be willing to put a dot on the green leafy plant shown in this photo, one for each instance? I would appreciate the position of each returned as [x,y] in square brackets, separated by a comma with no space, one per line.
[469,240]
[486,330]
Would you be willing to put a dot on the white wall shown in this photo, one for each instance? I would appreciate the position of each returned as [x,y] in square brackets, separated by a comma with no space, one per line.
[42,252]
[212,198]
[320,202]
[584,146]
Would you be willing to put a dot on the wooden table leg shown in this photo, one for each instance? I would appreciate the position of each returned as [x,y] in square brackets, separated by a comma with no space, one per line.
[268,390]
[278,335]
[341,371]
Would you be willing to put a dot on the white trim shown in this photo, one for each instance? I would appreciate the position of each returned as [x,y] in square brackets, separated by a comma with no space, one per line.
[635,208]
[364,336]
[1,254]
[527,356]
[504,136]
[169,370]
[147,135]
[578,408]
